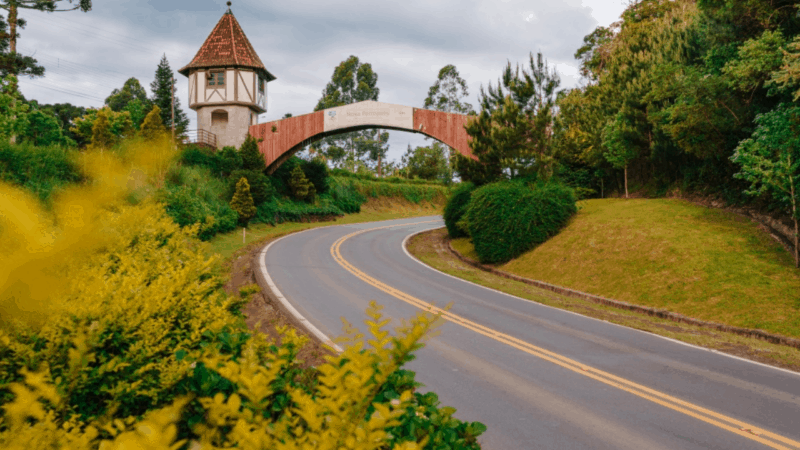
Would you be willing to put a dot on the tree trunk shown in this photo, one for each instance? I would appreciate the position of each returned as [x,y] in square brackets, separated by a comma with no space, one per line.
[626,181]
[601,189]
[380,174]
[12,28]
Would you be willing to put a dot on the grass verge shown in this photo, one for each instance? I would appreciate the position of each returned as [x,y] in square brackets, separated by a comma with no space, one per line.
[431,248]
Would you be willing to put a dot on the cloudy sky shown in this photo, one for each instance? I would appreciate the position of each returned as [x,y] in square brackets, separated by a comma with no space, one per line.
[87,55]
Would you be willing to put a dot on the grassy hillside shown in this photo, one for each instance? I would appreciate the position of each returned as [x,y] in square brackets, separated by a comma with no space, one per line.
[667,253]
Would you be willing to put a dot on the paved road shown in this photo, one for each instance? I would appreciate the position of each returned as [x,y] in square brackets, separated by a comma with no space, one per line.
[538,377]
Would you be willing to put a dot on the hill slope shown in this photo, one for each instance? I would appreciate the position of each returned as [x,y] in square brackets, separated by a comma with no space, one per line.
[668,253]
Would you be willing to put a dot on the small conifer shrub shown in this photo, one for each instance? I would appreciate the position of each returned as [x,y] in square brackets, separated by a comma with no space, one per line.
[301,188]
[242,202]
[152,128]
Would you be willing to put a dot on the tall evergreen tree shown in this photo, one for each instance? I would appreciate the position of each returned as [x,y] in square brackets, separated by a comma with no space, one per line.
[162,97]
[352,82]
[10,61]
[448,92]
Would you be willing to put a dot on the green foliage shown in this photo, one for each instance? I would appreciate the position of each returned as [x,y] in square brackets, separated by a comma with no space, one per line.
[120,126]
[193,196]
[447,93]
[131,91]
[44,130]
[102,137]
[352,81]
[152,128]
[506,219]
[162,87]
[300,187]
[129,340]
[428,163]
[456,207]
[260,187]
[413,192]
[13,110]
[252,159]
[770,159]
[242,202]
[341,173]
[40,170]
[317,173]
[229,161]
[280,211]
[513,130]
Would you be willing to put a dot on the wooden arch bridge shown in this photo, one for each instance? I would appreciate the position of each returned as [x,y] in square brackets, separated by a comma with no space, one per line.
[280,139]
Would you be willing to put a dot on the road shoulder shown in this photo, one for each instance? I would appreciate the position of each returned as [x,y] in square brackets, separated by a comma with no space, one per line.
[432,249]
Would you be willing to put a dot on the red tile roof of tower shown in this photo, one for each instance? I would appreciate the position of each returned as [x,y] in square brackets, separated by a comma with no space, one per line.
[227,46]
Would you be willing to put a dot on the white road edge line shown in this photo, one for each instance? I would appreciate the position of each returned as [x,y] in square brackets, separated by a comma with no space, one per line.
[405,249]
[262,257]
[279,295]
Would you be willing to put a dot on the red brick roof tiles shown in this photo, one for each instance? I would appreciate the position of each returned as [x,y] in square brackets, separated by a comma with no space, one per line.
[227,46]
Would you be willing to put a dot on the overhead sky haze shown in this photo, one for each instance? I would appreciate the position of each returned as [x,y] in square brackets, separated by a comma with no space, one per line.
[87,55]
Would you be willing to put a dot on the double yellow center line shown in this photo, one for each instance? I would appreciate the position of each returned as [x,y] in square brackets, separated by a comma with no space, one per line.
[720,420]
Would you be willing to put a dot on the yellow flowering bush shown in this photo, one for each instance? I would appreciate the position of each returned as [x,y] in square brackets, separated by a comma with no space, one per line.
[115,334]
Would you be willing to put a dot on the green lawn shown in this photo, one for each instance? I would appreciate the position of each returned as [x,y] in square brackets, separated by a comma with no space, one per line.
[668,253]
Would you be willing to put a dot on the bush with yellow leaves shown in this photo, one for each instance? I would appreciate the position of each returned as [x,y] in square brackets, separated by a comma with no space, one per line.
[114,333]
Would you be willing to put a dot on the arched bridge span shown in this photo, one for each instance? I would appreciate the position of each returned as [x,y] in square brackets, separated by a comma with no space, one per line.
[280,139]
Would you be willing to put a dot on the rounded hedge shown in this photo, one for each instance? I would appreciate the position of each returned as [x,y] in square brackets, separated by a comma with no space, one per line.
[455,208]
[509,218]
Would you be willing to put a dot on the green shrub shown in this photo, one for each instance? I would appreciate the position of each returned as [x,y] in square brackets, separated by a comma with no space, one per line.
[317,173]
[413,192]
[229,160]
[508,218]
[192,195]
[455,208]
[345,196]
[280,178]
[195,156]
[41,170]
[294,211]
[260,187]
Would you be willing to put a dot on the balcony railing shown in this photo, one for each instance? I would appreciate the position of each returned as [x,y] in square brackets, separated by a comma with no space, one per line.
[201,137]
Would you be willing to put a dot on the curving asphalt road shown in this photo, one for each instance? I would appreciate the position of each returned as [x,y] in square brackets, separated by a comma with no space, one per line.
[538,377]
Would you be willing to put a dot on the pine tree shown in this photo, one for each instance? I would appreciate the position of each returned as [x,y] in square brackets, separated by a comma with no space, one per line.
[102,137]
[162,97]
[152,128]
[301,188]
[252,159]
[242,202]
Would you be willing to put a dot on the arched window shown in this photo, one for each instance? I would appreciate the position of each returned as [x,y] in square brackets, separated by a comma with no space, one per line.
[219,118]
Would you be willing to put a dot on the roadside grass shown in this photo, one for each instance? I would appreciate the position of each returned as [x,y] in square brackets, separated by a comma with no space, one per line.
[428,248]
[382,208]
[667,253]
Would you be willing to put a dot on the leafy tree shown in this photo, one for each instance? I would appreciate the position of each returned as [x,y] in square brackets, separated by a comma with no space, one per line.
[301,188]
[131,90]
[260,187]
[102,136]
[44,130]
[594,53]
[252,159]
[13,110]
[770,161]
[120,123]
[242,202]
[787,76]
[428,163]
[515,125]
[448,92]
[65,113]
[230,160]
[152,128]
[162,87]
[14,63]
[352,81]
[620,141]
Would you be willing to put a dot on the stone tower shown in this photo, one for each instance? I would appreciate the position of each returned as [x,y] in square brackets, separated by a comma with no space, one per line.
[227,83]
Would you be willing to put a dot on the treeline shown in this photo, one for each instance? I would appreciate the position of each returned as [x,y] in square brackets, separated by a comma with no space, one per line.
[673,89]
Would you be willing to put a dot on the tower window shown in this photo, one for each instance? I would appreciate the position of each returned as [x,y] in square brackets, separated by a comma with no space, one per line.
[216,78]
[219,117]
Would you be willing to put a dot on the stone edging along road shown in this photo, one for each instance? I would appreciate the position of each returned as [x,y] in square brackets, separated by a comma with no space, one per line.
[660,313]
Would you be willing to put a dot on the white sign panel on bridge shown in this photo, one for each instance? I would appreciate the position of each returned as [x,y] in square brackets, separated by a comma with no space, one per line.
[369,113]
